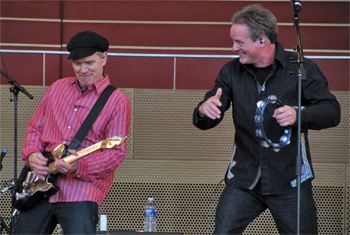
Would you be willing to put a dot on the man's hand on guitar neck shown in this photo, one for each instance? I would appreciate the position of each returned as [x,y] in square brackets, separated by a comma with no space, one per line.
[38,163]
[64,167]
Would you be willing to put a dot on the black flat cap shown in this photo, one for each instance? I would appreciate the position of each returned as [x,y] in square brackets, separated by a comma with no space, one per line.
[86,43]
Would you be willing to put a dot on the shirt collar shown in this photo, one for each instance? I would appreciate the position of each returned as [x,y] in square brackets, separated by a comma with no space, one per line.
[101,85]
[280,57]
[98,86]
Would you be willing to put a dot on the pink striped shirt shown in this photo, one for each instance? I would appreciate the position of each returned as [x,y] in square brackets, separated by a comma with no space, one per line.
[59,116]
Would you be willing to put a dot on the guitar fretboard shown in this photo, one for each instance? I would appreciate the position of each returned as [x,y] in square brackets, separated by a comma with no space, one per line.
[107,143]
[82,153]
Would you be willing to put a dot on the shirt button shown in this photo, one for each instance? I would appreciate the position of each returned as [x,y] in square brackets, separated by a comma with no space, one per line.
[75,109]
[68,127]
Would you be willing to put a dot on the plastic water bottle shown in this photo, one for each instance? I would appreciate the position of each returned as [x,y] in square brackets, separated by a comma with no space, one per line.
[150,218]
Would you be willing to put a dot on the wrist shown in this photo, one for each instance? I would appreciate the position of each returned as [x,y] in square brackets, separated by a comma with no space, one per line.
[200,114]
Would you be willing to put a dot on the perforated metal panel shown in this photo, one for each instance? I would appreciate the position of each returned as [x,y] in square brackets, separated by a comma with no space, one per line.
[130,139]
[332,144]
[25,110]
[181,207]
[329,190]
[163,128]
[347,200]
[180,166]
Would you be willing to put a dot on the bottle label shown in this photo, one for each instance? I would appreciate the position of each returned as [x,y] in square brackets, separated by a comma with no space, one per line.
[150,213]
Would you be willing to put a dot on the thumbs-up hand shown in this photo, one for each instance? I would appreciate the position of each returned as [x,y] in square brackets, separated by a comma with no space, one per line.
[210,107]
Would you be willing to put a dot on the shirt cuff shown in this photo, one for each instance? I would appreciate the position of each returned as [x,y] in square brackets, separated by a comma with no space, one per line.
[81,171]
[26,153]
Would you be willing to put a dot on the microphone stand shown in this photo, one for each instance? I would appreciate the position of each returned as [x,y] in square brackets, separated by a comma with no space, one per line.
[15,89]
[301,76]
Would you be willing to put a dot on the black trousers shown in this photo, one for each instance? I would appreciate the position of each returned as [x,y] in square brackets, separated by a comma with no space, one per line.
[74,218]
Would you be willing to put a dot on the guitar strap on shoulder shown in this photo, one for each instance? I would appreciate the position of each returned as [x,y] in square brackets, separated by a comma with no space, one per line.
[90,119]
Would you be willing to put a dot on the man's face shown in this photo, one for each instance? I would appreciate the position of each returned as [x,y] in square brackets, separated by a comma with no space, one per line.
[248,51]
[89,69]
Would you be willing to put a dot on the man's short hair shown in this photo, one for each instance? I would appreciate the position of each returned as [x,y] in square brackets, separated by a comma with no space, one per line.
[259,21]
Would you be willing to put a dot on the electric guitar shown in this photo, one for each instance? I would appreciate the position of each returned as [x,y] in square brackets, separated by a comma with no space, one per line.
[30,188]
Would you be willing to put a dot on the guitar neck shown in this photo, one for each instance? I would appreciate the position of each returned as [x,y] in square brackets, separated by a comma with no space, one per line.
[104,144]
[82,153]
[74,157]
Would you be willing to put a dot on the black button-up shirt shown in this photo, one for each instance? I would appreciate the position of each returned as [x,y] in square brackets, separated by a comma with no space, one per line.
[251,161]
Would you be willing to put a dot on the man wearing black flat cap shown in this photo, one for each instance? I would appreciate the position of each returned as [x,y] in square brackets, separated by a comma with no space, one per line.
[83,184]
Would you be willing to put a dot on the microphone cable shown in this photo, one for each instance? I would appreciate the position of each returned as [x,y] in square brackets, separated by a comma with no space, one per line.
[211,204]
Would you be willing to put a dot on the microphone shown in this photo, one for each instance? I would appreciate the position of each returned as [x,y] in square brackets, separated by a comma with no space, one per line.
[296,5]
[3,153]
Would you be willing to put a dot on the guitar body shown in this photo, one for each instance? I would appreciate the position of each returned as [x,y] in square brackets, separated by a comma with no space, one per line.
[36,192]
[30,188]
[45,186]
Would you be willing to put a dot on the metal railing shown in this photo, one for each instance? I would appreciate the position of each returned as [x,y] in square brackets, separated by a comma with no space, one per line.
[174,56]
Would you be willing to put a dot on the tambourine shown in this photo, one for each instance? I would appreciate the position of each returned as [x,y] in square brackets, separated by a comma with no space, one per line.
[259,122]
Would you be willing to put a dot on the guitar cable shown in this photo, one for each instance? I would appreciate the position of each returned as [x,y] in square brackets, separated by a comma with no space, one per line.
[212,203]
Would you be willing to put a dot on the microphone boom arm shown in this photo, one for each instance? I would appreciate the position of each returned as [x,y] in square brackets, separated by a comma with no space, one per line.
[16,85]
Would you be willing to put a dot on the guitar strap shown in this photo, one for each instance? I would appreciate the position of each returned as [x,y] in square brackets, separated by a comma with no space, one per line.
[91,117]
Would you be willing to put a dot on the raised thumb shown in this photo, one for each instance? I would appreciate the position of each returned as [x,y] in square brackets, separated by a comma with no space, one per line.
[218,93]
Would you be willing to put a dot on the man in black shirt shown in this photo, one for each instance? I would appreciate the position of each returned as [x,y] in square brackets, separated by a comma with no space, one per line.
[259,177]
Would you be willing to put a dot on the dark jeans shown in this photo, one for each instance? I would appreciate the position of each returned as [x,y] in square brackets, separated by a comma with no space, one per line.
[238,207]
[74,218]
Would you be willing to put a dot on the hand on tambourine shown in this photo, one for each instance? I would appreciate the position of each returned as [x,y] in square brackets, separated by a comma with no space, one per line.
[285,116]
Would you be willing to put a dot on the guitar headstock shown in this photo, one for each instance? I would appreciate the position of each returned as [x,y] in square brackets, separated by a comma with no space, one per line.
[58,151]
[113,142]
